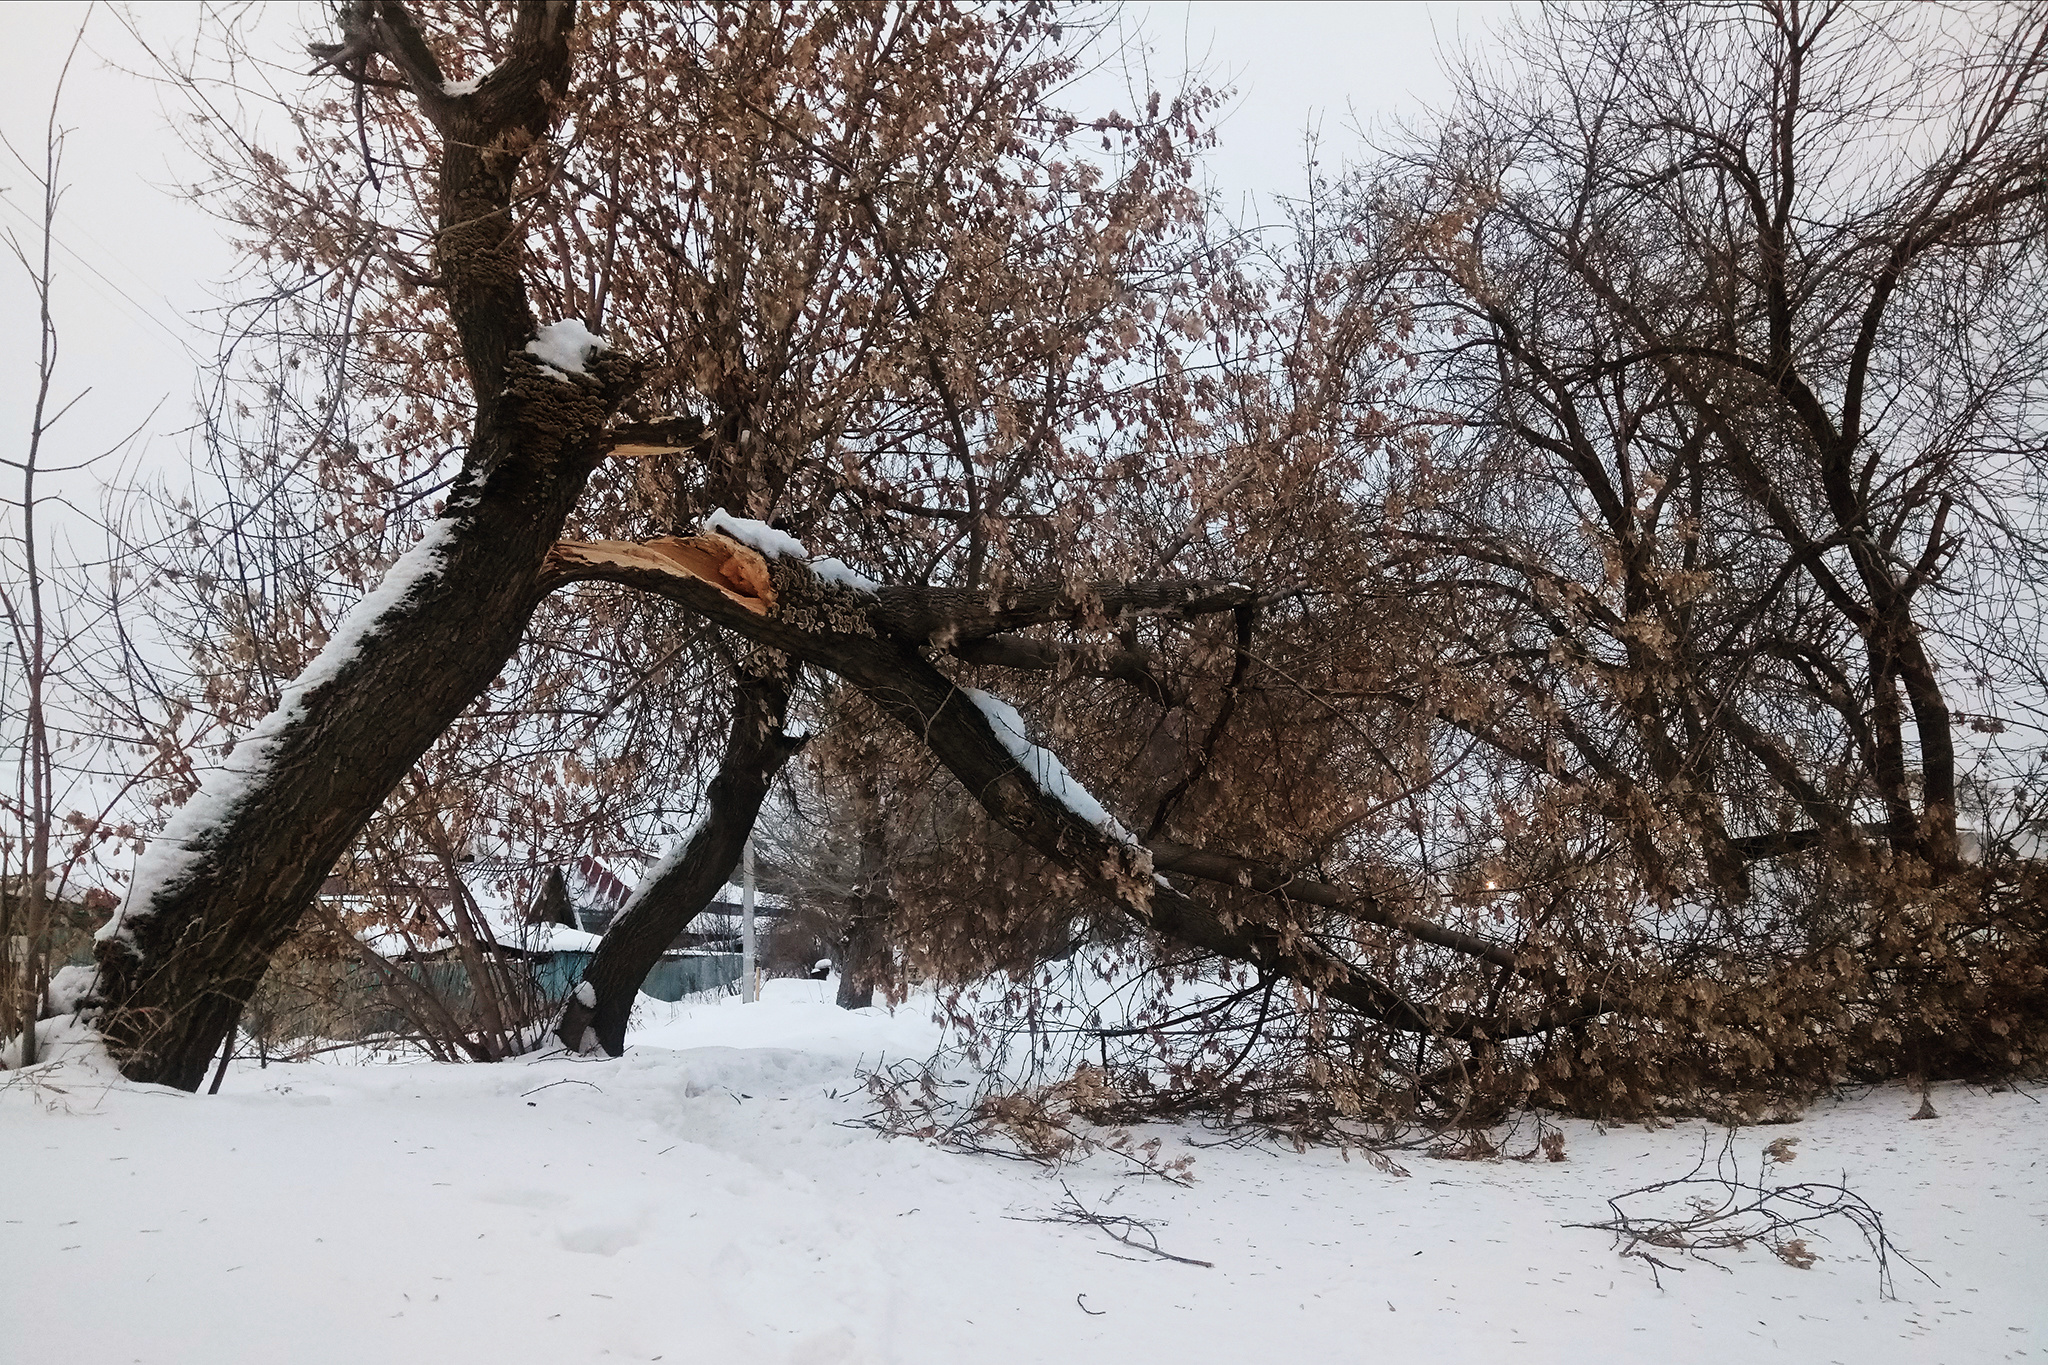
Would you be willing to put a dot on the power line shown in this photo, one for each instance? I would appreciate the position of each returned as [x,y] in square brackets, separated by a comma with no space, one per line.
[140,309]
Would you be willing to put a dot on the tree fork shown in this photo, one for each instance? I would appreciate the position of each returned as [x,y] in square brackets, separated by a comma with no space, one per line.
[223,887]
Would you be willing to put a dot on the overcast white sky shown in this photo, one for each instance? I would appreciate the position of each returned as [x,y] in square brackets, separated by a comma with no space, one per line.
[139,269]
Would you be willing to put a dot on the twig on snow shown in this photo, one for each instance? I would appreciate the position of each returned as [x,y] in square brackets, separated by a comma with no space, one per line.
[1737,1209]
[1135,1233]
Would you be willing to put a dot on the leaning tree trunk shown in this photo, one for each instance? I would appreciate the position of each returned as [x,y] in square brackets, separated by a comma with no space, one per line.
[877,641]
[220,890]
[686,881]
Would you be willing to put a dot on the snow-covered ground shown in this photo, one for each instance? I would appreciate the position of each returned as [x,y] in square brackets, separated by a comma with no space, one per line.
[698,1200]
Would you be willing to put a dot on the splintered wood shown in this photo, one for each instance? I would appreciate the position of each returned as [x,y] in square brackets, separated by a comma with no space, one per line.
[734,569]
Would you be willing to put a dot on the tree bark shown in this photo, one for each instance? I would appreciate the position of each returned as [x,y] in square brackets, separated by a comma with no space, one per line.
[222,888]
[662,908]
[553,906]
[824,625]
[865,939]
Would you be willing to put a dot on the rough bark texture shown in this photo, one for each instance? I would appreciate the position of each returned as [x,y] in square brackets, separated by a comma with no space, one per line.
[855,992]
[863,942]
[834,628]
[1137,667]
[193,947]
[942,616]
[755,752]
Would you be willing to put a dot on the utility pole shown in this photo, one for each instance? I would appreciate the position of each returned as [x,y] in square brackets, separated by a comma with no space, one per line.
[747,923]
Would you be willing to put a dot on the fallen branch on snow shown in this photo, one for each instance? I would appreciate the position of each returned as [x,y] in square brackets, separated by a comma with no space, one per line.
[1135,1233]
[1047,1126]
[1733,1210]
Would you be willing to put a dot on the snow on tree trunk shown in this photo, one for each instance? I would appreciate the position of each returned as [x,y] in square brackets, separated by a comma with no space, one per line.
[222,888]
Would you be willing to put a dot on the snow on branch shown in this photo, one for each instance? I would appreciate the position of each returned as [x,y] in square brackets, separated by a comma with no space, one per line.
[663,866]
[757,535]
[774,544]
[1043,766]
[836,571]
[566,346]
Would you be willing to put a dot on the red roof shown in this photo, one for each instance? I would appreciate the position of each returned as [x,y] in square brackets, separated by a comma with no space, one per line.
[601,882]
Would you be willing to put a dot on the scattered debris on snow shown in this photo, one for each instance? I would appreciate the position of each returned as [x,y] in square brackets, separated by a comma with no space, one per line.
[542,1211]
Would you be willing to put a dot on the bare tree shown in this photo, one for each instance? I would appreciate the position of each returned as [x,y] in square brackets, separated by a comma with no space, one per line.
[1728,320]
[62,660]
[1749,305]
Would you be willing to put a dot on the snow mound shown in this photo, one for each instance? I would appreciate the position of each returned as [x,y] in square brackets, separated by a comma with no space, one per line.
[70,985]
[64,1043]
[566,346]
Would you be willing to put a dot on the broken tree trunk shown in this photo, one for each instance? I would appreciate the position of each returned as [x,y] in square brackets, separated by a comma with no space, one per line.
[224,885]
[854,634]
[683,883]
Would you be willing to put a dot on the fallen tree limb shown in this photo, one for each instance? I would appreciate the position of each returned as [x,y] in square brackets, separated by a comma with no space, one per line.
[942,617]
[833,627]
[1226,869]
[1728,1209]
[1135,1233]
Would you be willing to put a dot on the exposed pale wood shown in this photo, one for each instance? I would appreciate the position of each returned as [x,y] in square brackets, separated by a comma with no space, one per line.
[737,570]
[643,440]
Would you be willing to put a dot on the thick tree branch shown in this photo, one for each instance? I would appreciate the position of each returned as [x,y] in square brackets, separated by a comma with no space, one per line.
[1138,667]
[683,885]
[895,675]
